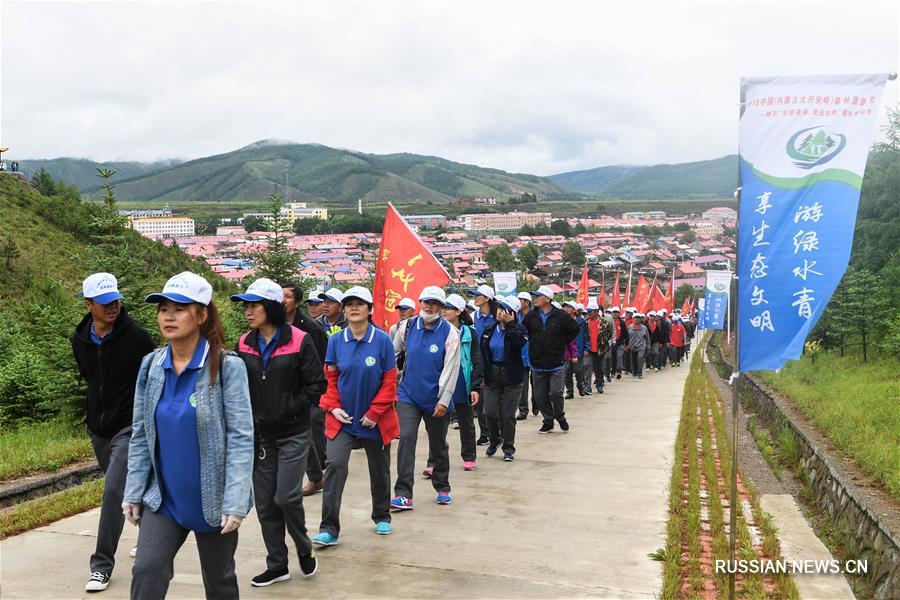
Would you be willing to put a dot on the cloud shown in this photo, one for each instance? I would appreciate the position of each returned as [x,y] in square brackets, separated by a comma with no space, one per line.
[537,88]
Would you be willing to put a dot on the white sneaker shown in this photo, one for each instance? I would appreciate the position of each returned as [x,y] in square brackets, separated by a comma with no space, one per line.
[133,552]
[98,582]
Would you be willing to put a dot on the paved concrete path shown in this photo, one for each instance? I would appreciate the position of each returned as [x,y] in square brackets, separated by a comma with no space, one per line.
[574,516]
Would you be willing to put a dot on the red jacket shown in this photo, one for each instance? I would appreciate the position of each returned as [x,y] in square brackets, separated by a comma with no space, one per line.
[676,335]
[381,410]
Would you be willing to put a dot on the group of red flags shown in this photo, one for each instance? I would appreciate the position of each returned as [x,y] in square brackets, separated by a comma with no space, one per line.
[647,296]
[405,266]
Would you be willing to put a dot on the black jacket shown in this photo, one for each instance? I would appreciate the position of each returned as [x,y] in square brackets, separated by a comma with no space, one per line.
[316,332]
[283,391]
[547,344]
[110,371]
[515,340]
[622,338]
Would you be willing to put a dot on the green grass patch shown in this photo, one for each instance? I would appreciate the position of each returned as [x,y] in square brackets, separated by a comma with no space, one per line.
[855,404]
[41,511]
[42,447]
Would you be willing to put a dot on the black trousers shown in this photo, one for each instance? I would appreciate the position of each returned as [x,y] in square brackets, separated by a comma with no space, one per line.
[501,400]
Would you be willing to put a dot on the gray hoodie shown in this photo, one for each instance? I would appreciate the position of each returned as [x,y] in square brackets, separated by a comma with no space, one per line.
[638,338]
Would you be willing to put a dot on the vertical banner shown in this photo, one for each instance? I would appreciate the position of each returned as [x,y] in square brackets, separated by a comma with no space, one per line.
[701,314]
[718,290]
[405,266]
[642,294]
[505,283]
[583,287]
[803,148]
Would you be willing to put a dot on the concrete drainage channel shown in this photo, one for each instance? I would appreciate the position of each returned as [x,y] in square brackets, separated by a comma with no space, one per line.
[43,484]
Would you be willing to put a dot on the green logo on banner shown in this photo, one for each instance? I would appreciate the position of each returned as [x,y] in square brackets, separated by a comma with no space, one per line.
[814,146]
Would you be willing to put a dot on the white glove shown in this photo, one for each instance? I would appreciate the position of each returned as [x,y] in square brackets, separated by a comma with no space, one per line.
[341,415]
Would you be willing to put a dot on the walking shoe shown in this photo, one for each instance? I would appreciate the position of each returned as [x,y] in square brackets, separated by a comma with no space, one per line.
[454,424]
[599,390]
[428,471]
[401,503]
[563,424]
[534,410]
[269,577]
[619,375]
[383,528]
[325,539]
[133,552]
[587,391]
[546,428]
[313,487]
[309,564]
[581,393]
[640,376]
[508,456]
[521,416]
[469,465]
[482,441]
[608,379]
[443,498]
[491,450]
[569,395]
[98,582]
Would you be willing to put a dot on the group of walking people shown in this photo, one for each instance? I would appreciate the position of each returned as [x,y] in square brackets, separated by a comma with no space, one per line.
[191,435]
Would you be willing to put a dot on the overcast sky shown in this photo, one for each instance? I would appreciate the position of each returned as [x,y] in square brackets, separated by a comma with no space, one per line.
[537,88]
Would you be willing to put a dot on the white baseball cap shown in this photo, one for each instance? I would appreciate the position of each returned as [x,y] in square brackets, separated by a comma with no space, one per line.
[471,304]
[592,305]
[631,309]
[571,303]
[663,311]
[485,290]
[652,313]
[524,296]
[433,292]
[102,288]
[614,309]
[261,289]
[456,301]
[544,291]
[639,315]
[333,294]
[556,304]
[184,288]
[358,292]
[510,302]
[405,303]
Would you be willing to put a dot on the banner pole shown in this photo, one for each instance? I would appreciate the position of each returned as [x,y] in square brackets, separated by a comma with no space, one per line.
[735,395]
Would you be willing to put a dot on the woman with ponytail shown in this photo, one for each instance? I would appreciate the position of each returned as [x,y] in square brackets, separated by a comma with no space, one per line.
[190,459]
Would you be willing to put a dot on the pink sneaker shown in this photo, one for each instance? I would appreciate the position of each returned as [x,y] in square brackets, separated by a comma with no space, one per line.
[428,471]
[469,465]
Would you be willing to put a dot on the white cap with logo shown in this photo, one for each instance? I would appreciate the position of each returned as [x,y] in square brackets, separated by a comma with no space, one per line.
[433,292]
[485,290]
[510,303]
[456,301]
[184,288]
[261,289]
[333,294]
[524,296]
[102,288]
[405,303]
[358,292]
[544,290]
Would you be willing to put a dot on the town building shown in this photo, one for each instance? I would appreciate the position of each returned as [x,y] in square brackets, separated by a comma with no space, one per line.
[426,221]
[720,214]
[512,221]
[474,201]
[163,227]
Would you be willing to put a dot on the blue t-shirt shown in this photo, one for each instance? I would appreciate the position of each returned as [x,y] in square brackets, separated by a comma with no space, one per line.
[96,338]
[362,364]
[265,350]
[178,447]
[482,322]
[425,350]
[496,345]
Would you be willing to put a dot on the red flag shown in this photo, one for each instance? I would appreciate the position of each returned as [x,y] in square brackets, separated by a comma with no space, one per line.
[686,306]
[670,295]
[405,266]
[582,297]
[642,295]
[657,300]
[616,297]
[601,297]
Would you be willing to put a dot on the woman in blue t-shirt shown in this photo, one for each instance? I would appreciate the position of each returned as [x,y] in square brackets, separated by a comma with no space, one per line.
[359,406]
[190,459]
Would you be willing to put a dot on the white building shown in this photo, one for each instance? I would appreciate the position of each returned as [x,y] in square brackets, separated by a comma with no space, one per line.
[165,227]
[512,221]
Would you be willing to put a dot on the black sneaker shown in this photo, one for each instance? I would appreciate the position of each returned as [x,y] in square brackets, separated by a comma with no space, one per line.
[599,390]
[581,393]
[546,428]
[97,582]
[508,457]
[619,375]
[569,395]
[270,577]
[563,424]
[482,441]
[587,391]
[535,411]
[309,564]
[521,416]
[491,450]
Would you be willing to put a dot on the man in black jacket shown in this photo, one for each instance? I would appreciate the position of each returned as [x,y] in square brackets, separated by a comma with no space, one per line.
[315,459]
[549,330]
[108,347]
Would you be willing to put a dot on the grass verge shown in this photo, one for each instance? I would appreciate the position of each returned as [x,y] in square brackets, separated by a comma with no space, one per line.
[41,511]
[855,404]
[42,447]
